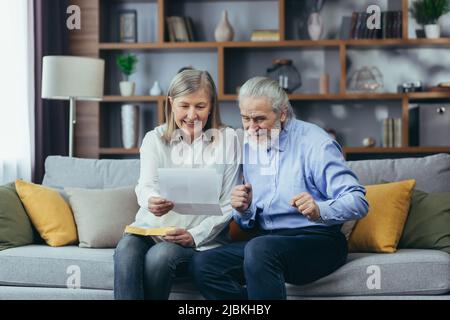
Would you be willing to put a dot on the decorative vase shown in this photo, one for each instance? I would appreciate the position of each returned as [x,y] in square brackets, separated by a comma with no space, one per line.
[315,26]
[432,31]
[156,89]
[224,31]
[412,28]
[286,74]
[130,125]
[127,88]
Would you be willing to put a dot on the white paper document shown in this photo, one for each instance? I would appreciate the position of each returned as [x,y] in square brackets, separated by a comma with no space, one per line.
[193,191]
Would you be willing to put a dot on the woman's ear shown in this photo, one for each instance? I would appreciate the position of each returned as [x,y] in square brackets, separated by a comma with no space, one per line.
[171,100]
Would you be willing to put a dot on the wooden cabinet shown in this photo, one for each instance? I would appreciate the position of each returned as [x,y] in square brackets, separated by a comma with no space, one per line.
[354,115]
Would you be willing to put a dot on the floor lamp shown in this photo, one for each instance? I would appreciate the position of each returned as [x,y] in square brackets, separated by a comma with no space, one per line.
[72,78]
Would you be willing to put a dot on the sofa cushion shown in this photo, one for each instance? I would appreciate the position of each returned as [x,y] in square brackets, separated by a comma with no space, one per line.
[431,173]
[381,229]
[15,226]
[407,271]
[428,223]
[48,212]
[61,172]
[45,266]
[101,215]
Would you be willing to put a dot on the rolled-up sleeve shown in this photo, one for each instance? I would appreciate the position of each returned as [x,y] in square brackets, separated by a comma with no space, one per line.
[343,197]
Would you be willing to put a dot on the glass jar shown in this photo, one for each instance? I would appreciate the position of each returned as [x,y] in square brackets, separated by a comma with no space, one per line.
[286,74]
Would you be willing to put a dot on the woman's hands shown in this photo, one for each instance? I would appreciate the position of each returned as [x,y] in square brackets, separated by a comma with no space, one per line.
[180,236]
[159,206]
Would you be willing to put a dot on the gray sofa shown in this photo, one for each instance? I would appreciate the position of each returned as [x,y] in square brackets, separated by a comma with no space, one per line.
[41,272]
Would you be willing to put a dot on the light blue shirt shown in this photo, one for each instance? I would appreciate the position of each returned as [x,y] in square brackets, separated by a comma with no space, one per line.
[307,159]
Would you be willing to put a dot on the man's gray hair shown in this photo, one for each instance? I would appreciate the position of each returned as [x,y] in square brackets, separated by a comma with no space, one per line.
[259,87]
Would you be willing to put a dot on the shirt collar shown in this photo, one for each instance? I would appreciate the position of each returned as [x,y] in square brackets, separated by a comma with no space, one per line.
[283,137]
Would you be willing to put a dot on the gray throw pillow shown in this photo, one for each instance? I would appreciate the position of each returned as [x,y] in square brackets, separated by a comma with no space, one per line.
[347,228]
[102,214]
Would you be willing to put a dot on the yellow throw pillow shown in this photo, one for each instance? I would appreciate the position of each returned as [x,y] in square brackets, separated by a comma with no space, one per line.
[380,230]
[49,213]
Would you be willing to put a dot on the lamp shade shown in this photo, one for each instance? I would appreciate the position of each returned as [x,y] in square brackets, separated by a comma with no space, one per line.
[65,77]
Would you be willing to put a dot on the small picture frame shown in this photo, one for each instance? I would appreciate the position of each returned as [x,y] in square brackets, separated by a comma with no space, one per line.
[127,26]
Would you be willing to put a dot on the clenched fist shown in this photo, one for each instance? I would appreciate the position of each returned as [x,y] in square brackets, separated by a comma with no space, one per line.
[241,197]
[159,206]
[306,205]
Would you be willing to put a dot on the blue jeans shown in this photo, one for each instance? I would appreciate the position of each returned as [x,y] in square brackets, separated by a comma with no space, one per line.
[144,269]
[266,262]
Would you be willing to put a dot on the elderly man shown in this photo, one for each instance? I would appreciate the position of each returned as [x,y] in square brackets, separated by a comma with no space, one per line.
[295,203]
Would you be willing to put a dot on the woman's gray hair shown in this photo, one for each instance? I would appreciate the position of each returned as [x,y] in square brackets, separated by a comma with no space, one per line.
[258,87]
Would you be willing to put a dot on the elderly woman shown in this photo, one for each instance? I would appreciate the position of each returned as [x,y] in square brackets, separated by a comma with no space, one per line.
[144,266]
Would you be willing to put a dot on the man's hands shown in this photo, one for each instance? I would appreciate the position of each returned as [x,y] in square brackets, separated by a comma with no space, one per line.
[159,206]
[241,197]
[180,236]
[306,205]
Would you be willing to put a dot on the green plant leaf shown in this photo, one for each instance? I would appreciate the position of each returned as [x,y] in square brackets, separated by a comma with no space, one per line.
[429,11]
[127,63]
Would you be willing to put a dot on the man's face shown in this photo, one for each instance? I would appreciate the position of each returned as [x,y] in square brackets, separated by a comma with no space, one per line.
[259,120]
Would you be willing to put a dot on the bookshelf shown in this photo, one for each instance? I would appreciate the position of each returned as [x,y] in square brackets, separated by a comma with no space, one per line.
[231,63]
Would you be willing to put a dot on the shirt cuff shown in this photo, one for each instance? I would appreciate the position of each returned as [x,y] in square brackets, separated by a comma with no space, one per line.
[246,219]
[326,212]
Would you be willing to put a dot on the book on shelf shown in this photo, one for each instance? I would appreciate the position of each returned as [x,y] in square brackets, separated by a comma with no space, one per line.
[392,133]
[391,26]
[180,29]
[265,35]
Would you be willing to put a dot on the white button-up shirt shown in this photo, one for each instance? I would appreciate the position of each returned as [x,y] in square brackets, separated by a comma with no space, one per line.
[220,155]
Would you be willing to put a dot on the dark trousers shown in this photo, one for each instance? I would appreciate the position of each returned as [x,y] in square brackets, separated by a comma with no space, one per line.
[266,262]
[144,269]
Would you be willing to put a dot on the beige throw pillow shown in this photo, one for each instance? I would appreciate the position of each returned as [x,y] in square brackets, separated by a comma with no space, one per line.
[101,215]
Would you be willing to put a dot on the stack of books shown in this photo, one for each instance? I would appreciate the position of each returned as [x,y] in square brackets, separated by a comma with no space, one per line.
[391,26]
[265,35]
[392,133]
[180,29]
[441,87]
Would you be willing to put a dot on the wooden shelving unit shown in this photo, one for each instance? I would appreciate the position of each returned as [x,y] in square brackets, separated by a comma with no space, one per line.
[90,42]
[444,42]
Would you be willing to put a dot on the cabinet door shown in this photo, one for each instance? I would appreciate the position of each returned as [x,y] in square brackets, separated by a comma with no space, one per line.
[435,125]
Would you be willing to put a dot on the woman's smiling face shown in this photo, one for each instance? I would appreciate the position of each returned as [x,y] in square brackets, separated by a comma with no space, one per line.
[191,111]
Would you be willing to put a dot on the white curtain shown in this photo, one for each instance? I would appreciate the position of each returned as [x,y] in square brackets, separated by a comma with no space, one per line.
[16,90]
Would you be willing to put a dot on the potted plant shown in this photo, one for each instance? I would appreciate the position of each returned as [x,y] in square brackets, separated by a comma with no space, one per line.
[127,64]
[428,12]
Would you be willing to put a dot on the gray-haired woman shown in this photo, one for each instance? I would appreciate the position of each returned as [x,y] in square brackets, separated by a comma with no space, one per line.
[144,267]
